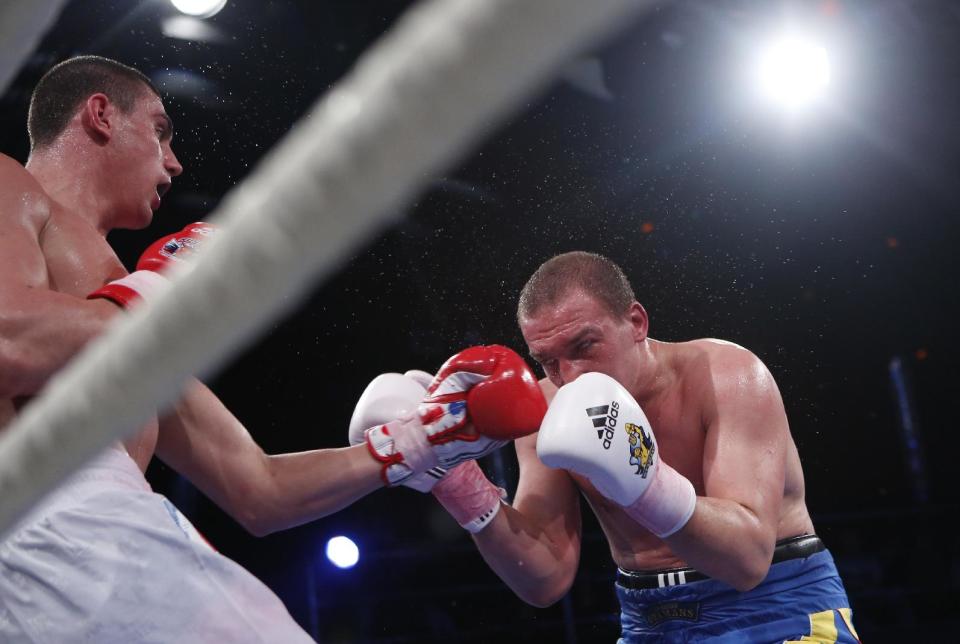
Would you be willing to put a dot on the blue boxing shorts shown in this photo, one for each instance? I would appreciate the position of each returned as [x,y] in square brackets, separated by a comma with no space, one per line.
[802,599]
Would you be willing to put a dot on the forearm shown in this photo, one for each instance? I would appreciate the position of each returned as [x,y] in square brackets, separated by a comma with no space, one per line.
[40,332]
[305,486]
[538,568]
[202,440]
[726,541]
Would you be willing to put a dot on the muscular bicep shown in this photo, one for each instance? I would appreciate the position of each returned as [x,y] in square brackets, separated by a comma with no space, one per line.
[746,439]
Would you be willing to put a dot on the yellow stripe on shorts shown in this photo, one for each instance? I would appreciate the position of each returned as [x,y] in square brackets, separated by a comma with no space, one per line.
[847,616]
[823,629]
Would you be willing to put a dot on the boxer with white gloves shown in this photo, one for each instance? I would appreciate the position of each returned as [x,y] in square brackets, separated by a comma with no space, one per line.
[706,522]
[594,427]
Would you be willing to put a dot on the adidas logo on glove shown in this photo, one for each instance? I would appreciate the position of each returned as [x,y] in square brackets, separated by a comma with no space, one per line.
[651,492]
[604,419]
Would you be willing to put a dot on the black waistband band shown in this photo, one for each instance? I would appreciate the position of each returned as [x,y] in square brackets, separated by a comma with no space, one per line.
[786,549]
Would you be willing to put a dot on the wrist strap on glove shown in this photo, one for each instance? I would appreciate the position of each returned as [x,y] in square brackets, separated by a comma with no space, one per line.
[130,289]
[469,496]
[667,504]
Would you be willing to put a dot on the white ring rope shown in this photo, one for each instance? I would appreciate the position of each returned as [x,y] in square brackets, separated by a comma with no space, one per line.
[22,24]
[413,102]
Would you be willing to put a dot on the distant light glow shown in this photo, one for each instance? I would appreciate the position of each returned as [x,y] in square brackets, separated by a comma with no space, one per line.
[191,28]
[343,552]
[199,8]
[793,72]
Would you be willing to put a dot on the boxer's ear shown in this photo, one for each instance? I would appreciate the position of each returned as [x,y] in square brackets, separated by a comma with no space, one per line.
[637,315]
[97,117]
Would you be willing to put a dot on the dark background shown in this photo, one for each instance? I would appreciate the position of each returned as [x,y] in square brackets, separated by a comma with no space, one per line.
[825,244]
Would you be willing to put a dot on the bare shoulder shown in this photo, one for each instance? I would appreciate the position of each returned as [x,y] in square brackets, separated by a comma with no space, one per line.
[721,365]
[14,177]
[10,165]
[22,200]
[25,209]
[718,355]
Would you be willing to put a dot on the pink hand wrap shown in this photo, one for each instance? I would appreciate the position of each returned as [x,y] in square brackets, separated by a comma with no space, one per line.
[469,496]
[667,504]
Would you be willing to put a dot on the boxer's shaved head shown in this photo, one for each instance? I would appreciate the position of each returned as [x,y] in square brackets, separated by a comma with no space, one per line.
[62,89]
[594,274]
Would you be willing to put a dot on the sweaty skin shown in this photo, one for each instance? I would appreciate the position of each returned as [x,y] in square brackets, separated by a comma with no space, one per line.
[54,219]
[718,419]
[109,169]
[677,417]
[78,262]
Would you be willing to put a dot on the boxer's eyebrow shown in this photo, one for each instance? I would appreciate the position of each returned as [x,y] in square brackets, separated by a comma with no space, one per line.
[579,337]
[575,339]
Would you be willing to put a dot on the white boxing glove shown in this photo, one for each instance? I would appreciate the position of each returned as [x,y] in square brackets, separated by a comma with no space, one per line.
[464,491]
[388,397]
[595,428]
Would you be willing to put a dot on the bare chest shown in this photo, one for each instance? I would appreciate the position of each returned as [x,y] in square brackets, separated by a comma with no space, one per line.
[679,431]
[678,426]
[79,261]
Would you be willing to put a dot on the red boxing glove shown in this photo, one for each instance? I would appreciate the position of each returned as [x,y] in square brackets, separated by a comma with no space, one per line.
[481,398]
[178,248]
[502,396]
[147,282]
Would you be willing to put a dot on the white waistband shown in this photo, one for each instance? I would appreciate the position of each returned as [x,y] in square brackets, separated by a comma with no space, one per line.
[113,465]
[110,470]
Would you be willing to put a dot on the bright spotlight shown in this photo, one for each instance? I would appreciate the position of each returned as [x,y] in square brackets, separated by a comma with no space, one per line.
[793,72]
[342,552]
[199,8]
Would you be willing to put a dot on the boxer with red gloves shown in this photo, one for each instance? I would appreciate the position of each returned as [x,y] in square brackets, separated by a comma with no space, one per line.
[128,565]
[169,253]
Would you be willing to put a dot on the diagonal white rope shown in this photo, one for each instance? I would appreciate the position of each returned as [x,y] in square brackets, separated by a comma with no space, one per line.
[413,102]
[22,24]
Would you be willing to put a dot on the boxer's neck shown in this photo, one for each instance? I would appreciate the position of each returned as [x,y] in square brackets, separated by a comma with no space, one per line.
[654,375]
[70,178]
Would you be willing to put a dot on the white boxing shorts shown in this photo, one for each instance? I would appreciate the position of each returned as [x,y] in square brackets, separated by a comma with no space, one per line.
[104,559]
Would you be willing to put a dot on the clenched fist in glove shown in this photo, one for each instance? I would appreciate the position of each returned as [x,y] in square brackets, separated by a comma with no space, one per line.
[389,397]
[148,280]
[479,399]
[595,428]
